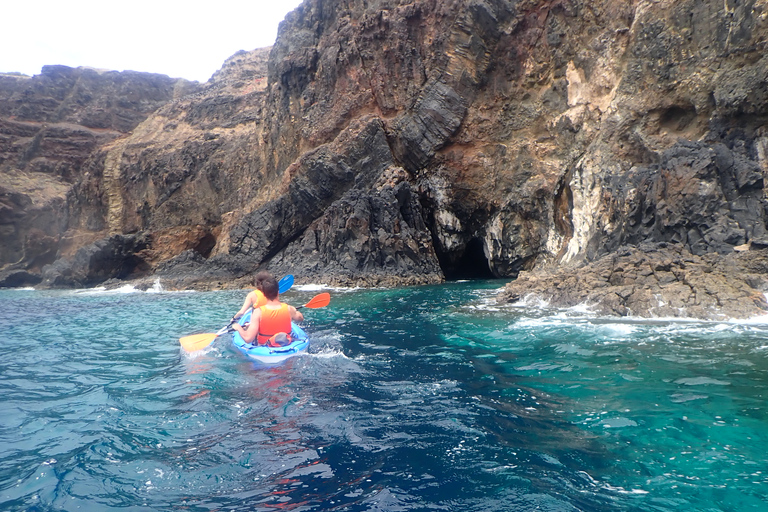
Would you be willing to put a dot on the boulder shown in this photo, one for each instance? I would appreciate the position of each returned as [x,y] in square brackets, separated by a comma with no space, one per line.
[113,257]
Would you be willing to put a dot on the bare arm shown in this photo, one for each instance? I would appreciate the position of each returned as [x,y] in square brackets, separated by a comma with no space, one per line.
[250,300]
[249,335]
[296,316]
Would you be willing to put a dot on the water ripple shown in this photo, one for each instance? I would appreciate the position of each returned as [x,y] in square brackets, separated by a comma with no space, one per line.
[426,398]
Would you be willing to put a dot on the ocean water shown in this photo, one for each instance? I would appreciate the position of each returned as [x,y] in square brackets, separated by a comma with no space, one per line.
[426,398]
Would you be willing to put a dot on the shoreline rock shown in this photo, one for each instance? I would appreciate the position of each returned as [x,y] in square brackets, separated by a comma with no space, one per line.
[655,280]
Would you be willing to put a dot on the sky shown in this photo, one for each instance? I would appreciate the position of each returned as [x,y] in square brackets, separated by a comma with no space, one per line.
[182,39]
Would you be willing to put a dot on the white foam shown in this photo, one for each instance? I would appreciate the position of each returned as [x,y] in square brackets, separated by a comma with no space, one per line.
[583,308]
[156,287]
[310,287]
[541,314]
[530,301]
[621,329]
[329,353]
[538,322]
[315,287]
[101,290]
[757,320]
[125,289]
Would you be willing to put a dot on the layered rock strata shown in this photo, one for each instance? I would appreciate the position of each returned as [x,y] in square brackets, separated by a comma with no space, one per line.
[50,125]
[409,141]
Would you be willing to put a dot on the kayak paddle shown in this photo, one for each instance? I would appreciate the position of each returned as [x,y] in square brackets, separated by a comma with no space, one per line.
[200,341]
[318,301]
[285,284]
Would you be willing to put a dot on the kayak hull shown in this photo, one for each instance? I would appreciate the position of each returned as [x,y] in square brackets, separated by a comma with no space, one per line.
[271,355]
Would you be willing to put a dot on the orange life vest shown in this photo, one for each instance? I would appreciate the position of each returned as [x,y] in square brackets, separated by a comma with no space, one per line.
[273,321]
[260,299]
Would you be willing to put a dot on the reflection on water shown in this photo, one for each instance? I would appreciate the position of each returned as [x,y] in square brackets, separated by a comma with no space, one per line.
[411,399]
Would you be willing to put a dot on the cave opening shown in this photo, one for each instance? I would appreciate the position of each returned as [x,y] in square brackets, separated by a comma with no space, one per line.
[472,264]
[205,245]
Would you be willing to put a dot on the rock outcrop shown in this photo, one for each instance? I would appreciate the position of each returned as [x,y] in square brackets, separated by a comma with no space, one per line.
[115,257]
[409,141]
[655,280]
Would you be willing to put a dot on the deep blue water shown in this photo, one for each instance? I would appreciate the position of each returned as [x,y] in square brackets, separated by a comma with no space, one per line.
[429,398]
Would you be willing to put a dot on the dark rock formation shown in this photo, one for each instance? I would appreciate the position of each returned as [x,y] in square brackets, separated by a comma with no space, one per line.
[405,141]
[362,238]
[661,280]
[50,124]
[109,258]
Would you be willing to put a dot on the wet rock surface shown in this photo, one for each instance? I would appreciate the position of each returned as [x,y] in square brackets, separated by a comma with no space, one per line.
[109,258]
[660,280]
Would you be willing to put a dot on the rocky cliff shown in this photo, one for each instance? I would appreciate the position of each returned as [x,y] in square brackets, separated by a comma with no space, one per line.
[393,142]
[50,125]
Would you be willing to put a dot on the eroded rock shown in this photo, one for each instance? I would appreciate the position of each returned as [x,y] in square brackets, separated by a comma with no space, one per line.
[650,280]
[401,141]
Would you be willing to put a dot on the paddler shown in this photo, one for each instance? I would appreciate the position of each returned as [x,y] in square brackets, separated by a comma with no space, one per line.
[256,298]
[270,323]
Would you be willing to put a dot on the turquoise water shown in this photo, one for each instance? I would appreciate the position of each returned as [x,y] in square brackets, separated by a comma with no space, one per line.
[429,398]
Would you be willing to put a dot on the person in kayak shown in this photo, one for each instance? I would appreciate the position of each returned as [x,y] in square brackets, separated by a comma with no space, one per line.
[256,298]
[270,323]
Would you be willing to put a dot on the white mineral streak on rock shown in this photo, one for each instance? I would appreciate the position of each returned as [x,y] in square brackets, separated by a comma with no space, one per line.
[578,89]
[761,145]
[447,226]
[587,191]
[598,91]
[554,241]
[595,94]
[493,243]
[448,229]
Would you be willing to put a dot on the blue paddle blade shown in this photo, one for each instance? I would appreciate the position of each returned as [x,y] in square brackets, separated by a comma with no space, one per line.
[285,283]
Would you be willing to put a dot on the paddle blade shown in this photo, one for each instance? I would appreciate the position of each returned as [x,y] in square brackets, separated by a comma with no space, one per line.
[285,284]
[318,301]
[197,341]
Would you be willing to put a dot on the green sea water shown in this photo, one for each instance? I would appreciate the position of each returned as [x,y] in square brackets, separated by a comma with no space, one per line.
[425,398]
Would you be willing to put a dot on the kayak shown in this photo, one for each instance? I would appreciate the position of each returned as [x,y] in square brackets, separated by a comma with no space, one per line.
[271,355]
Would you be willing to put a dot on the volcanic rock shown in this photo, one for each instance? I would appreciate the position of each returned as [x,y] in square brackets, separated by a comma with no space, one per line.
[410,141]
[654,280]
[50,125]
[109,258]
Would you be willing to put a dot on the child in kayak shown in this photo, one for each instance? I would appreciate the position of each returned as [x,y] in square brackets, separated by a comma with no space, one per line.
[270,323]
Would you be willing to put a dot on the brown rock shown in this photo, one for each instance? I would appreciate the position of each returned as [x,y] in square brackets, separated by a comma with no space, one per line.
[691,288]
[408,141]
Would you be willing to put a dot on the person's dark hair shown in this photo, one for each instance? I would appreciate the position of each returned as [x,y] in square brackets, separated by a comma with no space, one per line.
[259,279]
[270,288]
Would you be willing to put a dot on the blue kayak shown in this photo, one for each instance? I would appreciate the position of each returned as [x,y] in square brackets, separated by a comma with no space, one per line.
[271,355]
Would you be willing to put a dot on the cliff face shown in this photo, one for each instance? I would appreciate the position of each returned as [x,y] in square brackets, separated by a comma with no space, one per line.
[405,141]
[50,125]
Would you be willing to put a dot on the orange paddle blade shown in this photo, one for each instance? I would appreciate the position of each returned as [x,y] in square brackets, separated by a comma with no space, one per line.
[197,341]
[318,301]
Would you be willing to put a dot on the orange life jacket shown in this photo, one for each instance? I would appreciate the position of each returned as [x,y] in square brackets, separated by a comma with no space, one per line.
[260,299]
[273,321]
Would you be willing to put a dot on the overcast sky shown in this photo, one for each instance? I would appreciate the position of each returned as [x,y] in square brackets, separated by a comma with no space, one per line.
[182,39]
